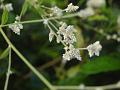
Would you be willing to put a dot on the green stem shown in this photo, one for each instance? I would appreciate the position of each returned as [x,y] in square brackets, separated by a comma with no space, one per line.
[38,74]
[106,87]
[8,71]
[56,35]
[41,20]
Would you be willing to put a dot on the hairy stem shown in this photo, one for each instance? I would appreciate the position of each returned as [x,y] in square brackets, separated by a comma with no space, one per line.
[8,71]
[38,74]
[41,20]
[82,87]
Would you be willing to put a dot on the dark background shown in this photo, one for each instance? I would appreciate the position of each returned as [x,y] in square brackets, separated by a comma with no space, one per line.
[33,43]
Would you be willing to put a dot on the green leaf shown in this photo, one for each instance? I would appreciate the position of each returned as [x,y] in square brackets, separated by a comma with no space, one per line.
[50,53]
[79,37]
[24,8]
[101,64]
[4,16]
[74,71]
[98,18]
[5,53]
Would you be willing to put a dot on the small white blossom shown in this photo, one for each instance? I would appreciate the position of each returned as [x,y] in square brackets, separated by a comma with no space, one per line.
[16,27]
[9,7]
[108,37]
[84,13]
[114,36]
[45,22]
[101,31]
[62,28]
[69,38]
[71,53]
[17,18]
[51,35]
[68,33]
[66,56]
[96,3]
[118,39]
[94,48]
[71,8]
[57,11]
[59,38]
[99,88]
[82,86]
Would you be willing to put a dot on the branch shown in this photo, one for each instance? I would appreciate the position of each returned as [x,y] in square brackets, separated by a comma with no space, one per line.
[8,71]
[38,74]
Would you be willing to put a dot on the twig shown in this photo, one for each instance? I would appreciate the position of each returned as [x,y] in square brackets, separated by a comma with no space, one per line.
[38,74]
[41,20]
[44,66]
[8,71]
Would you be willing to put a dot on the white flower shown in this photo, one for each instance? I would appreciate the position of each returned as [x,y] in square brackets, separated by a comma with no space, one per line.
[71,53]
[51,35]
[108,37]
[45,22]
[57,11]
[94,48]
[62,29]
[69,38]
[82,86]
[17,18]
[9,7]
[16,27]
[84,13]
[68,33]
[71,8]
[114,36]
[96,3]
[59,38]
[66,56]
[118,39]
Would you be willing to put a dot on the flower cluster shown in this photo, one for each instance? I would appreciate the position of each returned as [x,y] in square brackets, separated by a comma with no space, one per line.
[59,12]
[96,3]
[109,36]
[84,13]
[51,35]
[56,11]
[71,8]
[16,27]
[71,53]
[114,37]
[90,9]
[66,35]
[8,7]
[94,48]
